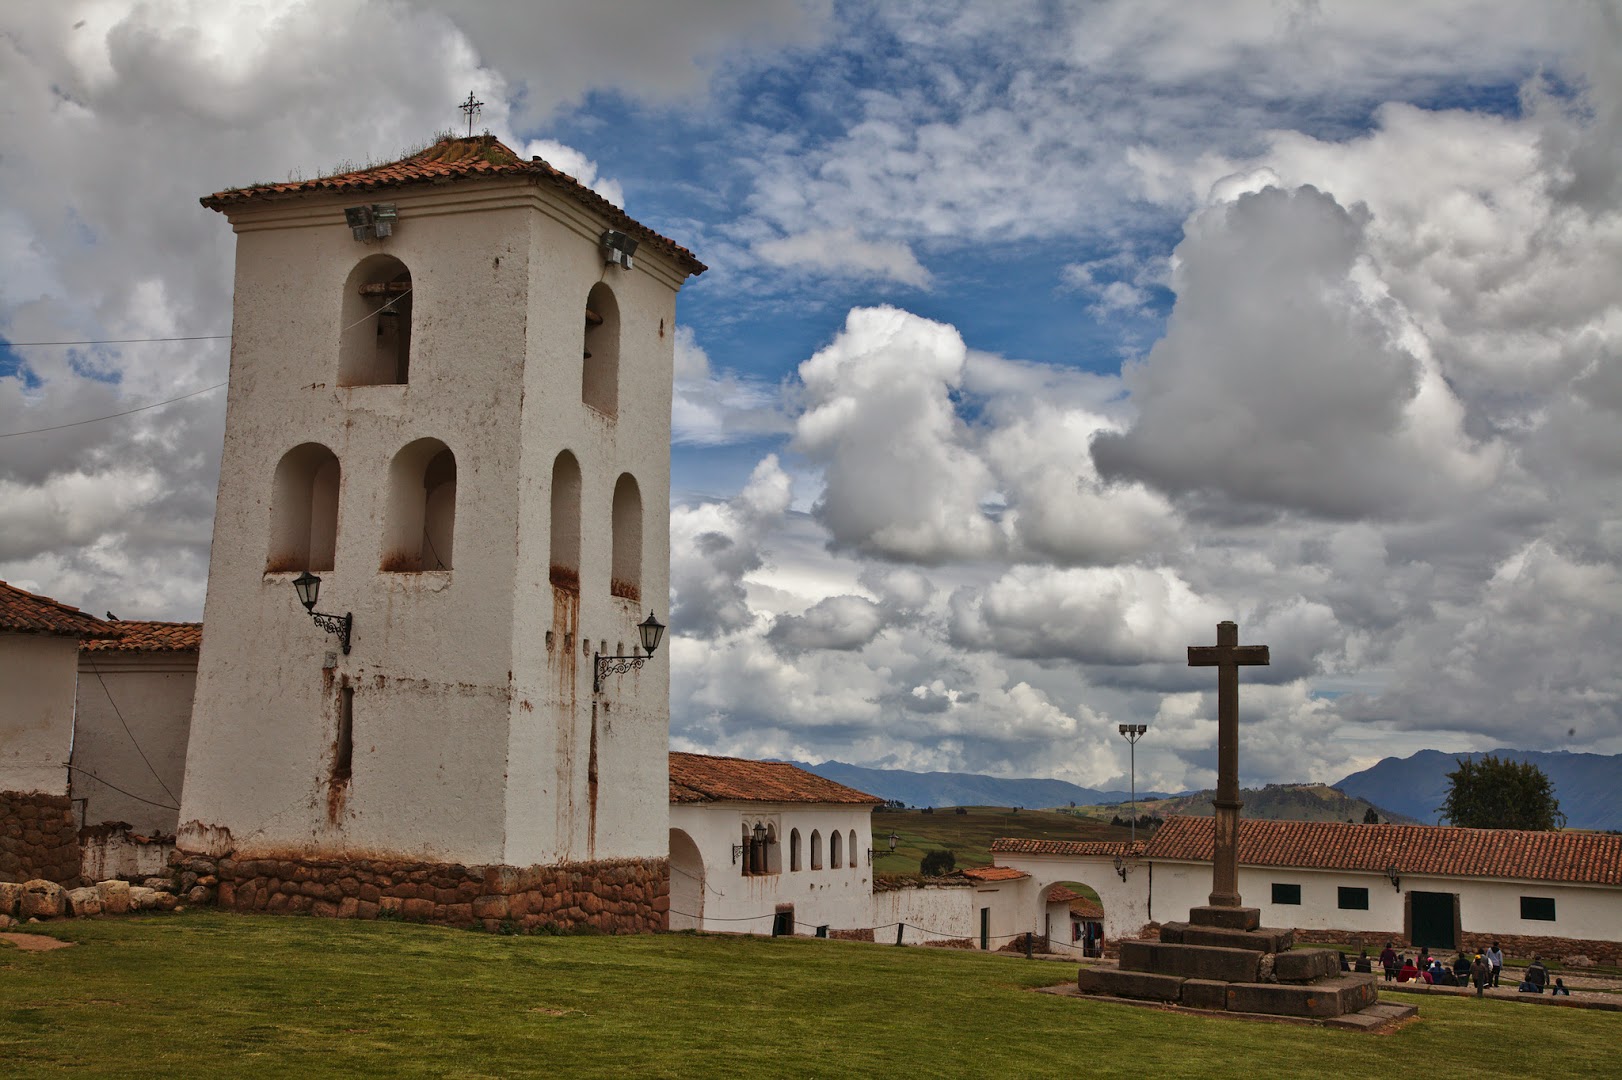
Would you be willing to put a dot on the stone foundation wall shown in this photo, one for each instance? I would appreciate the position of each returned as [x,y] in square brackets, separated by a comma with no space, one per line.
[613,897]
[851,935]
[1521,947]
[38,839]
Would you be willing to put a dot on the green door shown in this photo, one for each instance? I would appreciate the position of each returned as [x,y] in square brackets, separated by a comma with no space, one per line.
[1433,920]
[985,928]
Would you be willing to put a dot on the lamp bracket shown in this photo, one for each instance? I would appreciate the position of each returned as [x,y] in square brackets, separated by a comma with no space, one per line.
[603,666]
[336,624]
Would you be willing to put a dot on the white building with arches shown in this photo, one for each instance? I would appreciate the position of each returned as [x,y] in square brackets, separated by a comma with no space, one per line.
[450,399]
[766,847]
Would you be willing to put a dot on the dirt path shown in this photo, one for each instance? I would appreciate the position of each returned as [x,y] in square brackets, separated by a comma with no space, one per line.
[35,942]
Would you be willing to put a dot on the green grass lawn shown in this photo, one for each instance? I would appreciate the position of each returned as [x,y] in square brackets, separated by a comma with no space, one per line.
[210,994]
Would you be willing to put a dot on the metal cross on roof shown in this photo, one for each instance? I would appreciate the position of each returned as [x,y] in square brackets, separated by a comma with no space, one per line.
[472,109]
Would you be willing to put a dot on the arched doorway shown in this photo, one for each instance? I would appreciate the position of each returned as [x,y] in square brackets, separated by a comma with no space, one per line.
[1073,919]
[686,883]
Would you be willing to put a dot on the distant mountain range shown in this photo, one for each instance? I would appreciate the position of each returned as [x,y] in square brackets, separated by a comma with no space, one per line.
[1410,788]
[964,789]
[1282,802]
[1585,785]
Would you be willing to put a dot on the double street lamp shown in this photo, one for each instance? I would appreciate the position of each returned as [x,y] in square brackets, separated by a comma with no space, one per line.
[1133,732]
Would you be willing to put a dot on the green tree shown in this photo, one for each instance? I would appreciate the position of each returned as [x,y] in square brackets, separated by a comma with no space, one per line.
[938,862]
[1494,794]
[1370,817]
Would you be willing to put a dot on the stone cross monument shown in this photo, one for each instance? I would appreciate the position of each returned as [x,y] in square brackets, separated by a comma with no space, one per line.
[1226,656]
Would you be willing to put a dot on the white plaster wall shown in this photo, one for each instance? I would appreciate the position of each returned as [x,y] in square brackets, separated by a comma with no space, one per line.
[837,897]
[930,912]
[1125,903]
[153,693]
[1485,907]
[116,855]
[1015,908]
[37,674]
[550,748]
[471,737]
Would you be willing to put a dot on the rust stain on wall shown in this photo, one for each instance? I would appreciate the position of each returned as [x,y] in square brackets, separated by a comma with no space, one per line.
[565,622]
[624,589]
[564,577]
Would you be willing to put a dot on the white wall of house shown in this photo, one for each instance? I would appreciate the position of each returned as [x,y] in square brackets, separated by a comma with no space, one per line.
[133,708]
[1125,903]
[37,673]
[930,912]
[839,897]
[476,734]
[1486,906]
[1009,906]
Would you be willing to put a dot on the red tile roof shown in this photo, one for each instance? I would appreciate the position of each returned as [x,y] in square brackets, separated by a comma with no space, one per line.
[448,160]
[28,613]
[1444,850]
[993,873]
[150,637]
[1017,845]
[1086,909]
[1061,895]
[696,778]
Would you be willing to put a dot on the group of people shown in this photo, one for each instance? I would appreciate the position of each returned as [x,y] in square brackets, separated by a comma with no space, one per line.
[1482,971]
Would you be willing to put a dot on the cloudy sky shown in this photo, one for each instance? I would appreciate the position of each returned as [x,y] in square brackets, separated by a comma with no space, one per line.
[1037,339]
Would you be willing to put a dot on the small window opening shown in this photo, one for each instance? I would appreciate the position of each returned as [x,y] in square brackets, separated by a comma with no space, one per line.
[1286,894]
[375,348]
[626,573]
[816,850]
[834,854]
[565,533]
[600,366]
[304,510]
[420,529]
[794,849]
[850,852]
[1353,899]
[1537,908]
[344,753]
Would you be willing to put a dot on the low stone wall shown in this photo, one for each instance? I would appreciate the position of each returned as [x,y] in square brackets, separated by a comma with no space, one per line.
[38,838]
[614,897]
[851,935]
[1520,947]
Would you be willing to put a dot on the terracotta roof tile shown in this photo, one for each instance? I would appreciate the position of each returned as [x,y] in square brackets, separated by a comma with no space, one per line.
[1061,895]
[1587,858]
[150,637]
[27,613]
[448,160]
[993,873]
[696,778]
[1018,845]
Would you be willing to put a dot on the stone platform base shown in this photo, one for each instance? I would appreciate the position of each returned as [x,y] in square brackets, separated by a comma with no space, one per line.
[1325,999]
[1378,1017]
[627,896]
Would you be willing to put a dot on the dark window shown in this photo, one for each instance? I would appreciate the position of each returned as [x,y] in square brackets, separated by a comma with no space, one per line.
[1354,899]
[1537,908]
[345,749]
[1286,894]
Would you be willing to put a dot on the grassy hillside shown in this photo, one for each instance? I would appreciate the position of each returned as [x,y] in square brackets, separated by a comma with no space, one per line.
[969,835]
[207,994]
[1275,802]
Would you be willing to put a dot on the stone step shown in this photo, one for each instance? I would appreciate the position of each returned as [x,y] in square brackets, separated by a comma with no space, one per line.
[1306,965]
[1331,997]
[1228,918]
[1190,961]
[1373,1018]
[1263,940]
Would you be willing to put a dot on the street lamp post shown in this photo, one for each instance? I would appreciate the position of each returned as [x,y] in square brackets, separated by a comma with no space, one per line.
[1133,733]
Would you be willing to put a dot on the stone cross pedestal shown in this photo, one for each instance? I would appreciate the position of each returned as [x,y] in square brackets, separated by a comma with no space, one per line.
[1222,958]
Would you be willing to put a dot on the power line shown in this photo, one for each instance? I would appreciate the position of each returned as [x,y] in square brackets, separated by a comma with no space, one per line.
[112,416]
[120,714]
[113,341]
[118,789]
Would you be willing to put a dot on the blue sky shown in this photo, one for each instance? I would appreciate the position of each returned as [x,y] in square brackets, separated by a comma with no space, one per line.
[1037,338]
